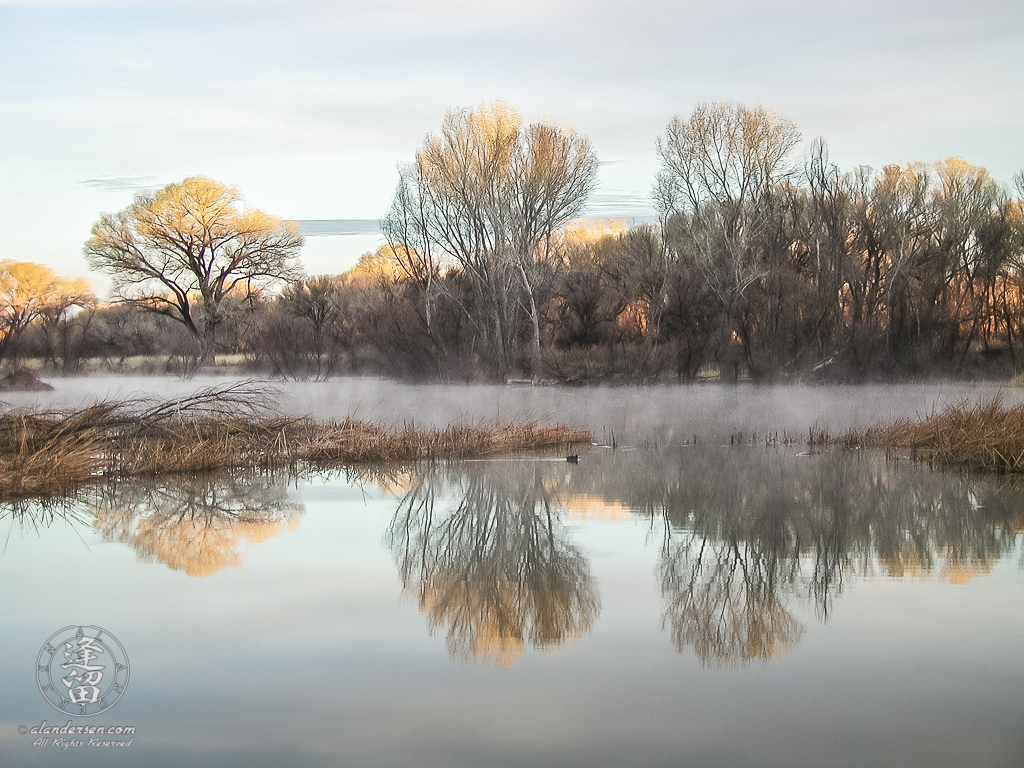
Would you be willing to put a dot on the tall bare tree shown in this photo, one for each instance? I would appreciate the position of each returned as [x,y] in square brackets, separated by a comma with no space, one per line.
[487,194]
[726,153]
[718,171]
[181,251]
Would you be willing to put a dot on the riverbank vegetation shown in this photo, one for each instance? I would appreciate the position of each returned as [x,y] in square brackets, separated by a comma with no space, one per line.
[765,263]
[228,427]
[984,436]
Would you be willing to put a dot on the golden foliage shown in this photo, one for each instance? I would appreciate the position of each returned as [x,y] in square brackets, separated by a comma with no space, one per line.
[586,506]
[28,290]
[635,317]
[372,268]
[188,247]
[196,546]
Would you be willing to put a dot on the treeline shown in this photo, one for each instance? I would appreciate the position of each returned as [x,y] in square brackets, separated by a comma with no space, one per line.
[762,265]
[912,271]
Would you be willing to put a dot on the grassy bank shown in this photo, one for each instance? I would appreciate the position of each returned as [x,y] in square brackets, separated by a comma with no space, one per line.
[979,436]
[232,426]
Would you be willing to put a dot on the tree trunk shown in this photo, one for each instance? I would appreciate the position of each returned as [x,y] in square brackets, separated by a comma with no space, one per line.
[207,344]
[535,326]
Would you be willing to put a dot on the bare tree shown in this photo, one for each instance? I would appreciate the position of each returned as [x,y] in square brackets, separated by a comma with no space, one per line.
[726,153]
[181,251]
[487,194]
[719,168]
[410,246]
[316,311]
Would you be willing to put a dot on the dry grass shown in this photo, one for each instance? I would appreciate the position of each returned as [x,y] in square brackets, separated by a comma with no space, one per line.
[980,436]
[227,427]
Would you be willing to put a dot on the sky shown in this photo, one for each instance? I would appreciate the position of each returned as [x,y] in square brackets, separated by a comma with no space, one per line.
[308,106]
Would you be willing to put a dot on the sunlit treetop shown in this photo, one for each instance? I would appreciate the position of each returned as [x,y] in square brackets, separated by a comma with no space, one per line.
[182,250]
[196,235]
[29,291]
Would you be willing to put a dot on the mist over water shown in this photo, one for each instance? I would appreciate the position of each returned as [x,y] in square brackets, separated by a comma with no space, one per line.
[659,415]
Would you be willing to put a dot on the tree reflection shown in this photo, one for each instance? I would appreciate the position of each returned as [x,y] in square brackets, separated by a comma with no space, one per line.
[752,542]
[722,600]
[195,523]
[749,534]
[494,568]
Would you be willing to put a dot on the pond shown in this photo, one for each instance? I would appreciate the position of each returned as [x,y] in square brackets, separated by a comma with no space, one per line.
[674,600]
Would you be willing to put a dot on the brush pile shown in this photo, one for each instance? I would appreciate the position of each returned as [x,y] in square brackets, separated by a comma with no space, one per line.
[226,427]
[975,435]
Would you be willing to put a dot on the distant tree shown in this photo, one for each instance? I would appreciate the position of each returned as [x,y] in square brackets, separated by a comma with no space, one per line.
[29,291]
[714,192]
[65,337]
[972,243]
[394,320]
[586,300]
[182,251]
[319,310]
[725,153]
[487,194]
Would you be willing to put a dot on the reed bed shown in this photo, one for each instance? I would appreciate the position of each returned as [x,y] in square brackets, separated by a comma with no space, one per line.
[228,427]
[983,436]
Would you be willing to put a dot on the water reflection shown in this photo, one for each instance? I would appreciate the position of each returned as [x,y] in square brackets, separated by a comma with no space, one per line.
[725,600]
[198,524]
[36,515]
[494,567]
[195,524]
[749,543]
[746,537]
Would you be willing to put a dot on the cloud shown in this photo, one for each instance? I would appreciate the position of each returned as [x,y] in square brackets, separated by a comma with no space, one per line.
[339,227]
[124,183]
[635,206]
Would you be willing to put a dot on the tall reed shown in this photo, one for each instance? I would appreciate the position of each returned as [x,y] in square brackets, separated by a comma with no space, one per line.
[982,435]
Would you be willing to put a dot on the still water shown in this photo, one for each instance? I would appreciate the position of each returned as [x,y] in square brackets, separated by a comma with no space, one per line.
[664,603]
